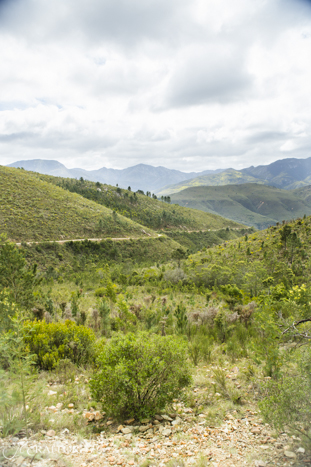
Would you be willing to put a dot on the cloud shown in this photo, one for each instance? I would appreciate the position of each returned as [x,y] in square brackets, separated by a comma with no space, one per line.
[214,73]
[186,84]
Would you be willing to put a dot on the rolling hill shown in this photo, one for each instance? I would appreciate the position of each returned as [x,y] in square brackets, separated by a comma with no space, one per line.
[286,173]
[41,208]
[250,203]
[258,263]
[147,211]
[227,177]
[33,209]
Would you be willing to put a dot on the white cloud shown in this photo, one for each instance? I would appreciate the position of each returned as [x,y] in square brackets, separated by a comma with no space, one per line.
[186,84]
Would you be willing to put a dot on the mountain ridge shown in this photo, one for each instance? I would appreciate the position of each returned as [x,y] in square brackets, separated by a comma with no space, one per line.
[141,176]
[287,174]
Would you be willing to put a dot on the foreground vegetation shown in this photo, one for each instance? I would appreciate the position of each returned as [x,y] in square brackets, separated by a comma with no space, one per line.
[96,330]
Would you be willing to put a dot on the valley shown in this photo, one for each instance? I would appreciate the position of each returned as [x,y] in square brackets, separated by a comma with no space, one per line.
[139,332]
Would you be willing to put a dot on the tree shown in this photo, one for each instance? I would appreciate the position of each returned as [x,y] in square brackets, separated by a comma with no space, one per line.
[15,275]
[129,188]
[285,233]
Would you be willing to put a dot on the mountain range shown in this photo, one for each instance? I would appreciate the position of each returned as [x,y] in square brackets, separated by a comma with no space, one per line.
[285,173]
[139,177]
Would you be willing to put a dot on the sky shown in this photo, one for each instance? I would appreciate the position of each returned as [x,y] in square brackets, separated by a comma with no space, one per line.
[185,84]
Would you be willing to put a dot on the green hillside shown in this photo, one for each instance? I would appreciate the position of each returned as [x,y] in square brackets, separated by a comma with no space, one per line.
[146,210]
[272,260]
[250,204]
[227,177]
[33,209]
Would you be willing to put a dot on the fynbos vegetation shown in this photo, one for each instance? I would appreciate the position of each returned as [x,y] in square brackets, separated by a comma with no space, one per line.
[148,341]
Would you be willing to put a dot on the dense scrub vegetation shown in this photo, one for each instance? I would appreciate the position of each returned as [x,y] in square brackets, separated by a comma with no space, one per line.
[195,241]
[244,304]
[143,208]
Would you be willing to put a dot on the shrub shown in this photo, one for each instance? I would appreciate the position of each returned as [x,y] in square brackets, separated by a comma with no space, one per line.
[139,374]
[51,342]
[7,310]
[288,401]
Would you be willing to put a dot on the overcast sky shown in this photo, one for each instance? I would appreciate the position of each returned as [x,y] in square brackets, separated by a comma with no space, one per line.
[187,84]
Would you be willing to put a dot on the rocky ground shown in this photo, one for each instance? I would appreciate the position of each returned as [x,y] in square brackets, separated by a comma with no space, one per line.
[167,440]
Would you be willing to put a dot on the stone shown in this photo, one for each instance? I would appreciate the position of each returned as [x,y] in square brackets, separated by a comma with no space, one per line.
[52,408]
[177,421]
[50,433]
[143,428]
[128,436]
[145,420]
[127,430]
[159,418]
[98,416]
[89,416]
[290,454]
[156,422]
[71,406]
[120,428]
[109,423]
[166,417]
[52,393]
[260,463]
[256,431]
[301,450]
[130,421]
[167,432]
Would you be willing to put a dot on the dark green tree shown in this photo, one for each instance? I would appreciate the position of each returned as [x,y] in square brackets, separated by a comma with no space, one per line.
[15,275]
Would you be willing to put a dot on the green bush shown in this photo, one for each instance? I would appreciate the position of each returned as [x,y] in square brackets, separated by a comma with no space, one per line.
[51,342]
[288,401]
[100,292]
[139,374]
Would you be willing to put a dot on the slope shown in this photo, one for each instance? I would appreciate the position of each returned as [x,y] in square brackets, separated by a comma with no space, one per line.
[227,177]
[250,204]
[33,209]
[269,262]
[144,209]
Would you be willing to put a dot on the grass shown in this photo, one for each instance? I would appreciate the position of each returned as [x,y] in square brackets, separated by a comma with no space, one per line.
[35,210]
[251,204]
[154,214]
